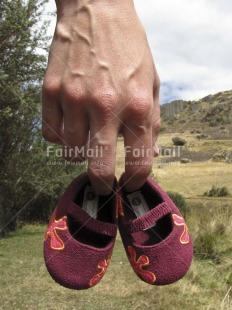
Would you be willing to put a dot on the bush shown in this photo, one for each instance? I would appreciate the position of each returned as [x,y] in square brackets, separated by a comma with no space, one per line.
[217,192]
[202,136]
[180,202]
[223,192]
[205,247]
[178,141]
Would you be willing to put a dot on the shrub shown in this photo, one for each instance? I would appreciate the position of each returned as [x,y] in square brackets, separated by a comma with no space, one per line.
[205,247]
[202,136]
[223,192]
[213,123]
[217,192]
[178,141]
[212,192]
[180,202]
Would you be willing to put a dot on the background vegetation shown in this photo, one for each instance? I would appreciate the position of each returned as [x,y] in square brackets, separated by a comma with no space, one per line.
[29,186]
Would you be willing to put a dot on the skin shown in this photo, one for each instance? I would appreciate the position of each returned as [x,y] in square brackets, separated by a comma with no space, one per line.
[101,82]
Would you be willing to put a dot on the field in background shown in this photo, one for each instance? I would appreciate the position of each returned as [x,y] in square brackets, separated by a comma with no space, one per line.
[191,179]
[26,285]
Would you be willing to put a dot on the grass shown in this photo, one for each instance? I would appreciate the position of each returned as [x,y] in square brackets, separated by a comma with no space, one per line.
[194,144]
[193,179]
[25,283]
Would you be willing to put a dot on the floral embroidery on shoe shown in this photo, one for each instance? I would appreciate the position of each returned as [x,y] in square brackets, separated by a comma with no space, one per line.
[179,221]
[55,225]
[103,264]
[138,265]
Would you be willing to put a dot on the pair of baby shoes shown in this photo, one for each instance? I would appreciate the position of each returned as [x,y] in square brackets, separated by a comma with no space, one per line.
[80,237]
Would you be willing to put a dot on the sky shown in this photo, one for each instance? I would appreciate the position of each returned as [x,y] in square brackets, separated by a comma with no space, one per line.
[191,43]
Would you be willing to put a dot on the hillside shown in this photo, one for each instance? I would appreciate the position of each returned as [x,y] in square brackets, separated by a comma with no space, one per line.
[212,113]
[205,125]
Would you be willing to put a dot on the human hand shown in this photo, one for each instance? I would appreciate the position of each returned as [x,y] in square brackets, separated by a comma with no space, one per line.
[101,81]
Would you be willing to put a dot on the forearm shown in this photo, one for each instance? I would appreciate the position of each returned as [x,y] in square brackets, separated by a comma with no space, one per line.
[95,21]
[71,8]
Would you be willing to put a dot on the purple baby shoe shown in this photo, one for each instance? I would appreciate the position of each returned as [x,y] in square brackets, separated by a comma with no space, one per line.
[154,234]
[79,240]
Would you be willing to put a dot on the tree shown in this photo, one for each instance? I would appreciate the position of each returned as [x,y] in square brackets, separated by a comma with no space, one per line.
[23,165]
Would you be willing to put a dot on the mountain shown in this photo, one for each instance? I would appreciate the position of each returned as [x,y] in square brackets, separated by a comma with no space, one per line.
[211,113]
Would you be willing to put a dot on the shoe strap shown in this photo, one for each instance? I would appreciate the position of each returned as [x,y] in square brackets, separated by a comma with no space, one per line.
[149,219]
[93,225]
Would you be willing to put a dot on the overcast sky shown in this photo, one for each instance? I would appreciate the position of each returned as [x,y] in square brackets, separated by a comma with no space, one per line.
[191,42]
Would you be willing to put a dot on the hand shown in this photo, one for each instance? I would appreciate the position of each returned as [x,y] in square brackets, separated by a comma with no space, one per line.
[101,81]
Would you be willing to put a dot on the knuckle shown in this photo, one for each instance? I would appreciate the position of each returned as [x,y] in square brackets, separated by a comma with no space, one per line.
[140,105]
[51,87]
[73,93]
[105,95]
[104,101]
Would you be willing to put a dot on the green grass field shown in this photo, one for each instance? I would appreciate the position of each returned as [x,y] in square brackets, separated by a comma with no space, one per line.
[26,285]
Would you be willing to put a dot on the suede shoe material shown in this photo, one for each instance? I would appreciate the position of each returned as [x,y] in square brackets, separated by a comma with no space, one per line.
[154,234]
[78,246]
